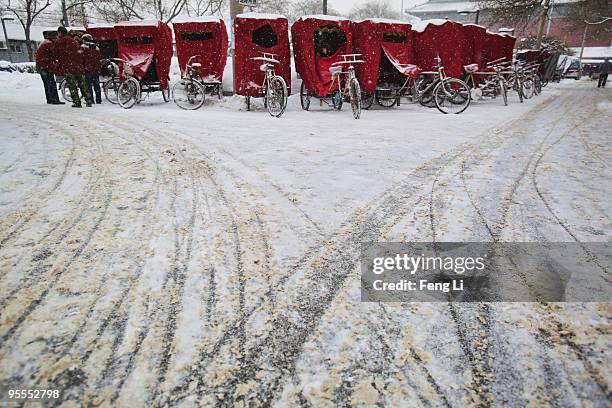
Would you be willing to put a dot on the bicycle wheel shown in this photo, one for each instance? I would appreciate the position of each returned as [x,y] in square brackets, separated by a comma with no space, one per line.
[65,91]
[166,94]
[337,100]
[276,96]
[504,92]
[528,88]
[452,96]
[519,88]
[129,93]
[188,94]
[111,90]
[355,97]
[386,98]
[304,97]
[538,84]
[367,100]
[425,95]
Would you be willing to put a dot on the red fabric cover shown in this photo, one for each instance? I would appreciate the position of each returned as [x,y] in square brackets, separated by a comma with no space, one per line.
[91,59]
[141,55]
[368,39]
[314,69]
[68,56]
[102,33]
[475,50]
[213,52]
[44,57]
[246,71]
[447,41]
[508,46]
[497,47]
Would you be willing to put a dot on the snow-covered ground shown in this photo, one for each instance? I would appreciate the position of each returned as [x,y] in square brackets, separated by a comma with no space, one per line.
[155,255]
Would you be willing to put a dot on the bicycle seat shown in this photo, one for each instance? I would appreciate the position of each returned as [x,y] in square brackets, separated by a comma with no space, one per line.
[410,70]
[196,65]
[265,66]
[471,68]
[335,69]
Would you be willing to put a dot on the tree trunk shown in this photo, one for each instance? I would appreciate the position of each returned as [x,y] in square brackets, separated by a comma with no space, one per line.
[65,22]
[542,23]
[29,44]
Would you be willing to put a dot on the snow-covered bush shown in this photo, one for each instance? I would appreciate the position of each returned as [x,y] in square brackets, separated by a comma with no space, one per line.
[23,67]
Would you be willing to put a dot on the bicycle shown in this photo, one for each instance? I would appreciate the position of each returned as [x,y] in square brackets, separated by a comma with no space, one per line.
[274,87]
[493,84]
[449,95]
[130,91]
[189,93]
[344,86]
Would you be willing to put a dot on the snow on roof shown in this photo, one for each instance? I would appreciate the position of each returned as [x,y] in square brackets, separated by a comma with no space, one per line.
[139,23]
[261,16]
[420,26]
[100,26]
[201,19]
[14,31]
[323,17]
[594,52]
[383,20]
[475,25]
[458,6]
[442,6]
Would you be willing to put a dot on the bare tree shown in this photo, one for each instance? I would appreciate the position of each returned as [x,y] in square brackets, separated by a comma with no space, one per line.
[203,7]
[374,8]
[26,12]
[72,9]
[115,11]
[306,7]
[166,10]
[520,13]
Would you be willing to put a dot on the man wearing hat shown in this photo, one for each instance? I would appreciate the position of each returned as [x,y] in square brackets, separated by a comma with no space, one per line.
[92,57]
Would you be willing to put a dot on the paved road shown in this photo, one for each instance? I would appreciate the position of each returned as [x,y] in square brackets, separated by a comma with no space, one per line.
[137,270]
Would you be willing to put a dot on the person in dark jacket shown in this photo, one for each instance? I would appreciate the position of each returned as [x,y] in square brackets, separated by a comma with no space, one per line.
[92,58]
[69,61]
[45,65]
[604,70]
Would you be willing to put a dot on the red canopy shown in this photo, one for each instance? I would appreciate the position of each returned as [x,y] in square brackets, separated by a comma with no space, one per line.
[255,32]
[102,32]
[474,51]
[443,38]
[106,37]
[508,46]
[376,39]
[143,43]
[206,37]
[497,47]
[333,39]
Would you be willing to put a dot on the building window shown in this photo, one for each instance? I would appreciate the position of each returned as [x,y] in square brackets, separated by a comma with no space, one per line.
[16,48]
[2,45]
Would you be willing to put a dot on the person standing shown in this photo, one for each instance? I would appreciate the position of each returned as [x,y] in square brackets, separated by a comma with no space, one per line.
[92,57]
[69,59]
[45,65]
[604,70]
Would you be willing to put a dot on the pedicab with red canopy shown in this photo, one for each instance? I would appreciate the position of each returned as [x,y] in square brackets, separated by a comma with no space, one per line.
[262,60]
[439,48]
[481,72]
[201,49]
[144,51]
[324,59]
[389,71]
[106,38]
